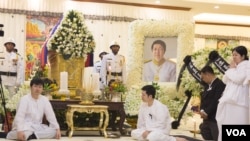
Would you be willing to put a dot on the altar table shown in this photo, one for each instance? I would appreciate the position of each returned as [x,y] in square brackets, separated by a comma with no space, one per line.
[114,108]
[89,109]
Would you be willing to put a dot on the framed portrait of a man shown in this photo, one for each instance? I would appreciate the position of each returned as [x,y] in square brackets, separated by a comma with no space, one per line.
[160,55]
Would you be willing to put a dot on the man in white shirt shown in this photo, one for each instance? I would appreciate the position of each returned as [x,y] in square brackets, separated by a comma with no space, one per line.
[154,121]
[113,65]
[30,112]
[11,68]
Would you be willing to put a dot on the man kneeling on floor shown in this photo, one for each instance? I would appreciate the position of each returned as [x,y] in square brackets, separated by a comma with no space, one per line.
[153,119]
[30,111]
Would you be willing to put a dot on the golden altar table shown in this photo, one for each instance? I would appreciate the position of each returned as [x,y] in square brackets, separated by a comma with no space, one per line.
[103,122]
[114,108]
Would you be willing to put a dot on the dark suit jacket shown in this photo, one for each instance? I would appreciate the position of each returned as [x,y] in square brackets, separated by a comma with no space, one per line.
[210,98]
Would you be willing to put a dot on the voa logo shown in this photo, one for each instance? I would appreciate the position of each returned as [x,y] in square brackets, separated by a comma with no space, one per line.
[236,132]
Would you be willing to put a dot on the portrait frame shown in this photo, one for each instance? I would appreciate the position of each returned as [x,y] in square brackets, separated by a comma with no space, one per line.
[139,30]
[171,47]
[170,55]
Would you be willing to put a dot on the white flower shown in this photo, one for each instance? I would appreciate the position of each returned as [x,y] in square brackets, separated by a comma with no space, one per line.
[11,104]
[138,31]
[65,39]
[199,59]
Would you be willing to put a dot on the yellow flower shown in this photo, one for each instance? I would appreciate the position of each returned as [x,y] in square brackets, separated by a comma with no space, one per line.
[116,86]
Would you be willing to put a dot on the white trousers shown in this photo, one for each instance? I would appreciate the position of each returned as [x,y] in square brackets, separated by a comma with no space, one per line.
[152,136]
[42,133]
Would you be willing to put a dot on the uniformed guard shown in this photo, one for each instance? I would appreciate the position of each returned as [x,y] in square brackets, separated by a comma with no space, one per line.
[98,65]
[113,65]
[11,68]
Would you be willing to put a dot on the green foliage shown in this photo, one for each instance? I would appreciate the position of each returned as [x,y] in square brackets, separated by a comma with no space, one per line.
[157,88]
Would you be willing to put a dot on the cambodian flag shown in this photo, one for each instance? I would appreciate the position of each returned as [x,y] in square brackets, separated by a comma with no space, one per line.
[90,60]
[44,51]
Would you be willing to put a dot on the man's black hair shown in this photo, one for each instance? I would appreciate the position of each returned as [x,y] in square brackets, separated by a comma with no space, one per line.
[36,81]
[207,69]
[149,89]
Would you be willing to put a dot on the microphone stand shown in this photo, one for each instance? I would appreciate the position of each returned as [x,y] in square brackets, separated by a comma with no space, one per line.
[4,103]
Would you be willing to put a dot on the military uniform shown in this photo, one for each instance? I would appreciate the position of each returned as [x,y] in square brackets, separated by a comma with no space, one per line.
[97,69]
[113,67]
[164,72]
[11,71]
[97,66]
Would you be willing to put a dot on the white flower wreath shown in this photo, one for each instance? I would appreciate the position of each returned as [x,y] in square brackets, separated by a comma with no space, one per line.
[199,59]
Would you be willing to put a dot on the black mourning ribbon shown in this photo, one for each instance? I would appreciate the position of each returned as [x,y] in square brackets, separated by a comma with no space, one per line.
[176,123]
[191,69]
[218,61]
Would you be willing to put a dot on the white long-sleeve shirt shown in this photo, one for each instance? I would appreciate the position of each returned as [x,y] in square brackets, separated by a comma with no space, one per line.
[154,118]
[30,113]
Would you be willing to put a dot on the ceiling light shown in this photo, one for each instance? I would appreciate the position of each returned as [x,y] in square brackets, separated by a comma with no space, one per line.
[216,7]
[222,18]
[157,2]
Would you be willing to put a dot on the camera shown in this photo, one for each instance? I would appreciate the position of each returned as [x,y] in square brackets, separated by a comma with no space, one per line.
[1,31]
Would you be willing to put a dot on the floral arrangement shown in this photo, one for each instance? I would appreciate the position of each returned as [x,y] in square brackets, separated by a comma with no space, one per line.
[138,31]
[199,59]
[164,94]
[49,85]
[115,86]
[13,101]
[71,38]
[6,98]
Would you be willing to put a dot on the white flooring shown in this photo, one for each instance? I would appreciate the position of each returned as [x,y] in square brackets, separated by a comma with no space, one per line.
[94,136]
[185,129]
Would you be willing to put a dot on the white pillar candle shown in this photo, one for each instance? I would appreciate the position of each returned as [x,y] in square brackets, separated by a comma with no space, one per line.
[64,80]
[87,78]
[63,83]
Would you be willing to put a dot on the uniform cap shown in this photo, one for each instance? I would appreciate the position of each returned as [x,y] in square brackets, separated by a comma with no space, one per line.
[10,40]
[103,53]
[114,43]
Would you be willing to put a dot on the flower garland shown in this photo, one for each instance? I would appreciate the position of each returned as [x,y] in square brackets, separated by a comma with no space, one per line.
[71,38]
